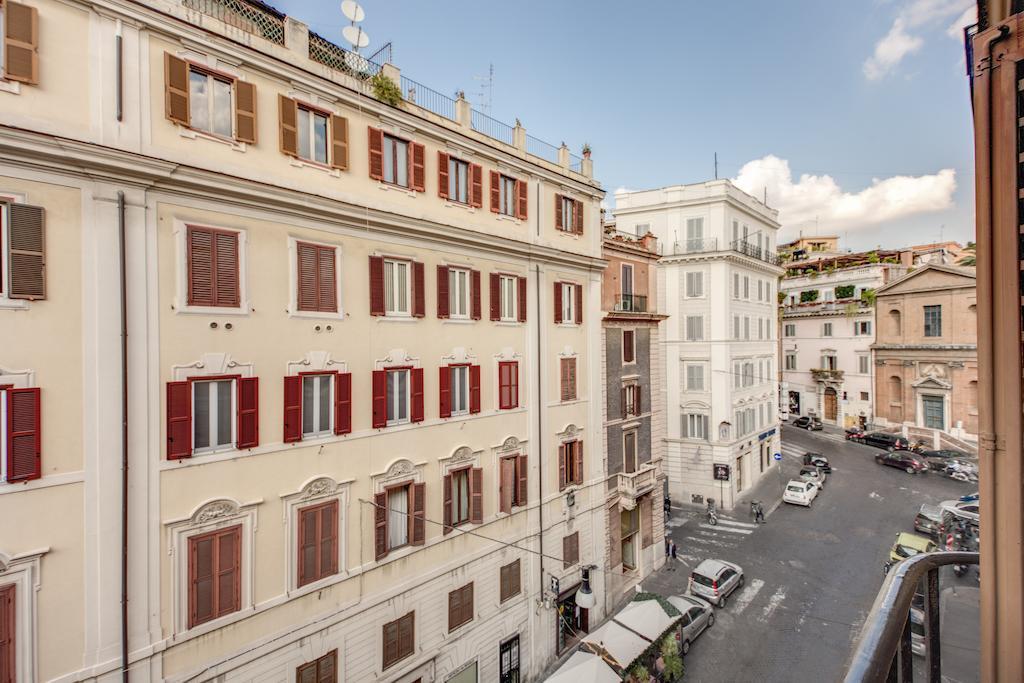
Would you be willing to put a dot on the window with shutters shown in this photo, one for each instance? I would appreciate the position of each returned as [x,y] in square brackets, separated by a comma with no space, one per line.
[568,298]
[789,330]
[19,27]
[746,287]
[512,486]
[628,346]
[862,328]
[396,161]
[863,365]
[214,277]
[508,197]
[458,180]
[571,461]
[213,415]
[459,388]
[694,377]
[509,301]
[460,606]
[570,549]
[398,387]
[20,433]
[695,426]
[508,385]
[567,215]
[22,253]
[399,639]
[397,287]
[510,583]
[314,134]
[695,328]
[746,327]
[211,102]
[321,670]
[318,542]
[214,574]
[399,519]
[459,296]
[828,361]
[631,399]
[629,531]
[460,483]
[316,278]
[317,405]
[568,379]
[826,329]
[695,285]
[791,361]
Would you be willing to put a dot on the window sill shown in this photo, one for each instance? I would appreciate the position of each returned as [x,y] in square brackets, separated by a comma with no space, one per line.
[511,219]
[13,87]
[314,586]
[242,310]
[315,165]
[397,318]
[452,204]
[196,134]
[397,188]
[316,315]
[508,323]
[214,624]
[458,321]
[568,325]
[13,304]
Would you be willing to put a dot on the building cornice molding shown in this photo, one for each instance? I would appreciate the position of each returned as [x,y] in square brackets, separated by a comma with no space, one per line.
[924,347]
[698,201]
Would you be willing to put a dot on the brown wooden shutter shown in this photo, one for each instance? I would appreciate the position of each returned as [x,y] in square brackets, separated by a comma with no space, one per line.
[306,270]
[26,234]
[614,537]
[442,292]
[419,506]
[475,295]
[419,290]
[522,299]
[495,191]
[444,378]
[380,525]
[442,174]
[245,112]
[568,553]
[627,346]
[416,394]
[227,266]
[179,420]
[176,97]
[327,668]
[476,185]
[328,539]
[646,521]
[343,403]
[201,584]
[288,110]
[559,219]
[476,495]
[558,303]
[24,434]
[578,291]
[474,388]
[637,400]
[578,455]
[507,484]
[339,142]
[380,405]
[200,267]
[522,200]
[306,673]
[495,286]
[248,428]
[308,545]
[418,160]
[561,467]
[407,634]
[21,42]
[376,285]
[327,280]
[577,218]
[447,512]
[376,147]
[292,409]
[521,476]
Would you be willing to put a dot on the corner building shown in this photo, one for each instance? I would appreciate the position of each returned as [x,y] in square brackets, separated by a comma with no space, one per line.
[349,454]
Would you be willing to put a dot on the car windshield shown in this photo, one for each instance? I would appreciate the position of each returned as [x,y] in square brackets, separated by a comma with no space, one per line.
[701,579]
[906,551]
[795,489]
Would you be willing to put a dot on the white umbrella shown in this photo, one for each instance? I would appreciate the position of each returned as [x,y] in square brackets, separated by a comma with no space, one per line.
[619,642]
[646,617]
[584,667]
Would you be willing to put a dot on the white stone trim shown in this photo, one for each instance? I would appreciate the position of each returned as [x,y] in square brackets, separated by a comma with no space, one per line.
[23,571]
[314,491]
[211,365]
[316,361]
[461,457]
[180,233]
[293,279]
[398,471]
[5,269]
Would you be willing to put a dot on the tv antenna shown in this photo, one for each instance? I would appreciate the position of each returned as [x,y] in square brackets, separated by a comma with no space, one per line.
[486,94]
[355,35]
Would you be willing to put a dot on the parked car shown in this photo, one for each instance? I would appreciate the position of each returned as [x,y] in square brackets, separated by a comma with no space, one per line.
[854,433]
[715,580]
[800,492]
[970,510]
[911,463]
[814,475]
[908,545]
[818,460]
[939,459]
[808,423]
[698,616]
[928,520]
[892,442]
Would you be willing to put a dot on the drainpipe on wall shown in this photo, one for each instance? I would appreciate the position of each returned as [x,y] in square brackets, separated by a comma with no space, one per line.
[124,434]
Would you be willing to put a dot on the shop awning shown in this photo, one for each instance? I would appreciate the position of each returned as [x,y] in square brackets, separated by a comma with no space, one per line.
[647,617]
[584,667]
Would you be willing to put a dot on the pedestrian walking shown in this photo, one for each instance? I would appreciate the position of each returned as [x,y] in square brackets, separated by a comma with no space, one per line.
[759,513]
[674,550]
[668,547]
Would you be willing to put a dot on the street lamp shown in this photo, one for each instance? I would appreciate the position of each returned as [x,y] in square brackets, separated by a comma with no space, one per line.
[584,595]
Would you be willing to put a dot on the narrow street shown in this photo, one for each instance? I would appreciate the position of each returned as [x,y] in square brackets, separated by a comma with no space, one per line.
[812,574]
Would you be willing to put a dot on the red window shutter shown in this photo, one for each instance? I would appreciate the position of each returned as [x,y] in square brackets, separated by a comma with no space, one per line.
[248,429]
[578,290]
[418,160]
[442,175]
[24,434]
[419,292]
[561,466]
[444,376]
[376,147]
[476,196]
[380,525]
[577,218]
[292,409]
[416,375]
[495,281]
[201,584]
[8,629]
[476,495]
[521,472]
[495,191]
[308,564]
[442,292]
[474,278]
[559,219]
[419,506]
[343,403]
[558,302]
[179,420]
[226,271]
[578,455]
[380,405]
[522,200]
[447,514]
[306,270]
[376,285]
[522,299]
[474,388]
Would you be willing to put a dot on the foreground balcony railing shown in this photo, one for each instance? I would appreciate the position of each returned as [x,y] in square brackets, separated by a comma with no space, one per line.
[632,485]
[631,303]
[884,650]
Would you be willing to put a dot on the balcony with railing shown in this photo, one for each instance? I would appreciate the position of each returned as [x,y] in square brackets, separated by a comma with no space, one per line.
[632,485]
[696,246]
[827,375]
[250,16]
[760,253]
[630,303]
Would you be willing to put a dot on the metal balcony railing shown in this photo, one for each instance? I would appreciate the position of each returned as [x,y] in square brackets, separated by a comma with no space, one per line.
[754,251]
[700,246]
[251,16]
[631,303]
[884,650]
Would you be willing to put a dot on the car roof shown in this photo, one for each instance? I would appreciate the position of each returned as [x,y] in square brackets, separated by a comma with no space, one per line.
[913,540]
[688,601]
[930,510]
[798,482]
[713,567]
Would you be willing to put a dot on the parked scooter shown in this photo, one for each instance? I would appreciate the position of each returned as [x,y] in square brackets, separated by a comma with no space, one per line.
[961,471]
[712,512]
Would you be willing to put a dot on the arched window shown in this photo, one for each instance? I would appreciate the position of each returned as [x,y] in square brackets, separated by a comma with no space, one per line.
[895,323]
[896,398]
[972,396]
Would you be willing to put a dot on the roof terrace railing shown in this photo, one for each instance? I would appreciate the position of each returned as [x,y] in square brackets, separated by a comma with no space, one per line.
[327,53]
[492,128]
[248,15]
[539,148]
[428,98]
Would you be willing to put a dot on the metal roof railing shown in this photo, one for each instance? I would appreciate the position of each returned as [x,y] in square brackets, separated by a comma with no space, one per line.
[539,148]
[482,123]
[248,15]
[327,53]
[428,98]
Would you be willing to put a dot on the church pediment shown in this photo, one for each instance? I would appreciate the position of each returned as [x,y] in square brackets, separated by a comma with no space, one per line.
[932,382]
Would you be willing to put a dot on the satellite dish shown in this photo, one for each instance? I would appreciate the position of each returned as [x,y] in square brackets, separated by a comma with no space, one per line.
[356,62]
[355,36]
[352,10]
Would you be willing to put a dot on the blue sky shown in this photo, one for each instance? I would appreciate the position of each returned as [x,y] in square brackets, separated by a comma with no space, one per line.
[870,93]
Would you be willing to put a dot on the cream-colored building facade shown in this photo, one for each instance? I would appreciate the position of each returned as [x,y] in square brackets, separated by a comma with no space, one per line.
[347,444]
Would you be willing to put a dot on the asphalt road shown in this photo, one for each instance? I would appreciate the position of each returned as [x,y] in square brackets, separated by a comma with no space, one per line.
[812,574]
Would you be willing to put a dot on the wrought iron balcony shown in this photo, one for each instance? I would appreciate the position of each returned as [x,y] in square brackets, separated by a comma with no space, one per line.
[884,650]
[825,375]
[632,485]
[631,303]
[747,249]
[700,246]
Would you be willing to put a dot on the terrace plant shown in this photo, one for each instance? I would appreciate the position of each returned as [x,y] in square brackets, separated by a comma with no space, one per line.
[808,296]
[385,89]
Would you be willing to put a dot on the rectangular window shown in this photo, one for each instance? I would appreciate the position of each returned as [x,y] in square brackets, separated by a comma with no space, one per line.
[571,461]
[746,287]
[396,161]
[460,495]
[862,328]
[629,454]
[398,396]
[791,361]
[570,549]
[736,327]
[459,388]
[570,212]
[631,400]
[735,285]
[399,520]
[694,328]
[568,302]
[460,606]
[8,616]
[789,330]
[760,290]
[213,267]
[695,377]
[828,362]
[513,482]
[313,134]
[863,365]
[213,415]
[760,328]
[322,670]
[509,298]
[458,293]
[508,655]
[695,285]
[510,583]
[458,180]
[746,327]
[864,396]
[568,379]
[507,197]
[318,542]
[316,278]
[629,530]
[210,103]
[214,575]
[397,287]
[694,234]
[317,405]
[628,346]
[695,426]
[933,321]
[399,639]
[826,330]
[508,385]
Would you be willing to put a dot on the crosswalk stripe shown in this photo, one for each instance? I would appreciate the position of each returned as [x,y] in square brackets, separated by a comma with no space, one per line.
[746,596]
[730,522]
[727,529]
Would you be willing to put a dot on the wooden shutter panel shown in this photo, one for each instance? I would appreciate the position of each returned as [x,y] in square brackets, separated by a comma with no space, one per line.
[623,402]
[327,280]
[327,668]
[442,174]
[200,267]
[495,191]
[307,546]
[561,467]
[376,147]
[513,380]
[245,112]
[475,295]
[646,521]
[614,537]
[380,406]
[419,506]
[418,161]
[444,377]
[578,455]
[380,525]
[419,290]
[248,429]
[292,409]
[522,200]
[476,185]
[416,391]
[24,434]
[306,270]
[559,219]
[8,628]
[474,388]
[521,475]
[26,234]
[442,292]
[495,281]
[21,42]
[567,555]
[202,584]
[506,486]
[343,403]
[637,400]
[577,218]
[376,285]
[558,303]
[288,111]
[476,495]
[179,420]
[447,514]
[578,291]
[339,142]
[226,282]
[307,673]
[176,104]
[328,539]
[522,299]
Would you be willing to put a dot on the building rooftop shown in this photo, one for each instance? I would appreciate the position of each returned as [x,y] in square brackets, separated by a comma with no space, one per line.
[694,193]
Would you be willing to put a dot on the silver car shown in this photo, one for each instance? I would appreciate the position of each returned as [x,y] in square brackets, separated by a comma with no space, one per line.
[813,474]
[698,615]
[715,580]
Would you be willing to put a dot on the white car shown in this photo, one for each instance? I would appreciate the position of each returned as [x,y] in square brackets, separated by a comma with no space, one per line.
[969,509]
[800,492]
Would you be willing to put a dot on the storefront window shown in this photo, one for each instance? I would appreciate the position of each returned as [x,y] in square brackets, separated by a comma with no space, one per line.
[572,620]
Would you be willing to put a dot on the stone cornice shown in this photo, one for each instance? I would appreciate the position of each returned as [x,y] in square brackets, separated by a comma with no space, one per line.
[924,347]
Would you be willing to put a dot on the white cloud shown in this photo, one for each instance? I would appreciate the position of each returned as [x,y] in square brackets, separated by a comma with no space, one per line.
[818,199]
[902,38]
[956,29]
